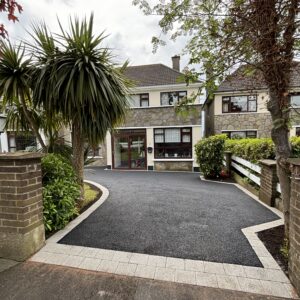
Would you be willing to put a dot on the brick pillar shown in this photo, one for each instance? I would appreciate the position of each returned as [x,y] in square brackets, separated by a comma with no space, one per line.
[21,208]
[227,156]
[294,252]
[268,181]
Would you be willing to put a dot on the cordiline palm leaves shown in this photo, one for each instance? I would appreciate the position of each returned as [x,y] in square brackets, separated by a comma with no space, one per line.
[79,80]
[75,77]
[15,81]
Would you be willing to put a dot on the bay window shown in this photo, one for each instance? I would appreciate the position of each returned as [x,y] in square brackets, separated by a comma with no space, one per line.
[235,104]
[173,143]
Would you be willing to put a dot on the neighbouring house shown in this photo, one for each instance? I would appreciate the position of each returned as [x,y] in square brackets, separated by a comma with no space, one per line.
[239,106]
[153,136]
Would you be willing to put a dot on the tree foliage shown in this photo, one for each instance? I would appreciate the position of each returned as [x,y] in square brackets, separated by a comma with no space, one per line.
[223,34]
[9,7]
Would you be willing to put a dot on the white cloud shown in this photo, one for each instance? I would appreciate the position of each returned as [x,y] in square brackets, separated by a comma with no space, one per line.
[129,31]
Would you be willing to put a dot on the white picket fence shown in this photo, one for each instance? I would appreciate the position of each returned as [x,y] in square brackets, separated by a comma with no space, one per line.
[252,171]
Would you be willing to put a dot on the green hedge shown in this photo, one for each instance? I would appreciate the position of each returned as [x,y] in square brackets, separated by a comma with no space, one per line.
[256,149]
[60,192]
[209,154]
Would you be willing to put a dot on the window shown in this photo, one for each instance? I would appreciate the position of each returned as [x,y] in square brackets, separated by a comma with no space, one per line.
[234,104]
[171,98]
[297,131]
[21,142]
[295,100]
[139,100]
[94,151]
[144,100]
[173,143]
[241,134]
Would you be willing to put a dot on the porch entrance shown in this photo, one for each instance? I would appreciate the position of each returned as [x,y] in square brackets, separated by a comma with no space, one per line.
[129,149]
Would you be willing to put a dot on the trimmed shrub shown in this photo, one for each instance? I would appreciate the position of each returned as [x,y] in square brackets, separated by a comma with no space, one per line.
[209,154]
[256,149]
[60,192]
[295,142]
[251,149]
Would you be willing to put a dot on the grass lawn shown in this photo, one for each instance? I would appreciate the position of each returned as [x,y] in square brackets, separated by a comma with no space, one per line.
[91,194]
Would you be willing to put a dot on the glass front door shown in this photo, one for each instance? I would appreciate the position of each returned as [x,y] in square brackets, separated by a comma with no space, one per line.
[129,150]
[121,152]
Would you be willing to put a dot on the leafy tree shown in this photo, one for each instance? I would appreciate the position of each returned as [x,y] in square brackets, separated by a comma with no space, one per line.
[9,7]
[223,34]
[76,78]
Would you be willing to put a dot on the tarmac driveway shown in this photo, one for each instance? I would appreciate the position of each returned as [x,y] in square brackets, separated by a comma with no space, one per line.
[171,214]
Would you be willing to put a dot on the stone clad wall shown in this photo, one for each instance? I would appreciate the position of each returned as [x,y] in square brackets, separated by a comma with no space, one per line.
[21,207]
[294,253]
[161,116]
[173,166]
[262,122]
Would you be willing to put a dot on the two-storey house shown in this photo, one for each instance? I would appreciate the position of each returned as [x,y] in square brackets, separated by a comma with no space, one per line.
[239,108]
[153,136]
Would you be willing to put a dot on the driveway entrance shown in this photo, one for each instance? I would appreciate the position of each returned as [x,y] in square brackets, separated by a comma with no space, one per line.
[171,214]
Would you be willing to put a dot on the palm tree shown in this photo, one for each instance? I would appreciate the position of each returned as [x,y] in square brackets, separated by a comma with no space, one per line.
[75,77]
[15,82]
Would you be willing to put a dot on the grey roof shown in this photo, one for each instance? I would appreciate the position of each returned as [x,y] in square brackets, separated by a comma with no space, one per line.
[151,75]
[239,81]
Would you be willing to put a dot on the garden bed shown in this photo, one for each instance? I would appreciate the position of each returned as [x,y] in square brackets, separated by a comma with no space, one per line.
[91,195]
[273,239]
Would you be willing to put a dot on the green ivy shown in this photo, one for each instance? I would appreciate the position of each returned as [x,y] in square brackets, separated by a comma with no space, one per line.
[209,154]
[60,192]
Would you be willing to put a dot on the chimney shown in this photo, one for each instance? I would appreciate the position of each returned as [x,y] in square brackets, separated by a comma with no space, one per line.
[176,62]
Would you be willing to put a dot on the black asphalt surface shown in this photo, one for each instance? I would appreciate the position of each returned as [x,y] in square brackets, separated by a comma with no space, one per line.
[171,214]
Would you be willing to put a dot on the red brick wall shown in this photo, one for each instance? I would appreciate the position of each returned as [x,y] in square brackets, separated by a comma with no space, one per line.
[294,253]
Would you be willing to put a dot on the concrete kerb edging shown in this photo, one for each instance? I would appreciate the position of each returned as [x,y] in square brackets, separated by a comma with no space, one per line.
[269,280]
[60,234]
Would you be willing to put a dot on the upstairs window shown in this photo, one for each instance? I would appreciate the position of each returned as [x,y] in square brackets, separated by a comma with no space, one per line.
[171,98]
[295,100]
[236,104]
[139,100]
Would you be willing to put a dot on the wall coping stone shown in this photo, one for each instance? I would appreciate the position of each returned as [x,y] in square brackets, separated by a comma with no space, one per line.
[20,155]
[268,162]
[294,161]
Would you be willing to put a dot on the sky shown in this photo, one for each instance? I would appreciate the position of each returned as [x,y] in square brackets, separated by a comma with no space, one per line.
[129,30]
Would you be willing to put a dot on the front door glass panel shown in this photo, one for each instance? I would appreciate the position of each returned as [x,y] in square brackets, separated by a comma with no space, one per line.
[121,152]
[137,152]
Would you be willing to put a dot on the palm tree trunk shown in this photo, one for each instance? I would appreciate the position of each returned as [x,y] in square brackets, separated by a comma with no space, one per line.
[78,155]
[31,122]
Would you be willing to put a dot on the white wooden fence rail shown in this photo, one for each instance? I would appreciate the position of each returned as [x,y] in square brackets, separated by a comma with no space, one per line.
[247,168]
[247,164]
[246,172]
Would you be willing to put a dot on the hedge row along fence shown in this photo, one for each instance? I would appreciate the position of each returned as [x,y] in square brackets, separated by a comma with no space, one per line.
[257,149]
[210,151]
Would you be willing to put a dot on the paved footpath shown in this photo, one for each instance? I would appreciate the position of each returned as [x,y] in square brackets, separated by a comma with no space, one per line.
[38,281]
